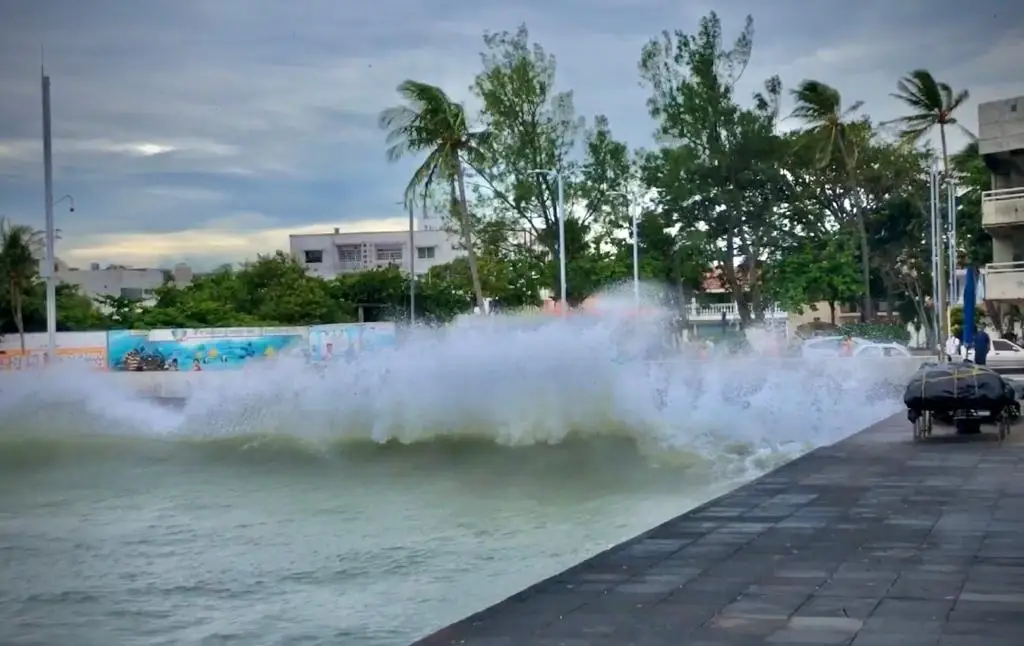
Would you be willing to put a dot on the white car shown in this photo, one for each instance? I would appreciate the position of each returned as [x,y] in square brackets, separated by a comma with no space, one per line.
[881,350]
[827,346]
[1003,356]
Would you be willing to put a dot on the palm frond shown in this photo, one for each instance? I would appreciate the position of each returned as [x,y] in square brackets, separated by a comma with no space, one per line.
[815,101]
[959,99]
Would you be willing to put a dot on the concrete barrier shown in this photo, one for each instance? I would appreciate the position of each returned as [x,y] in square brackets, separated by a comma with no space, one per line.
[180,385]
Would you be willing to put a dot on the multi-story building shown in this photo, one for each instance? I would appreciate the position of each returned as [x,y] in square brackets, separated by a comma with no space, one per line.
[330,254]
[1001,145]
[138,284]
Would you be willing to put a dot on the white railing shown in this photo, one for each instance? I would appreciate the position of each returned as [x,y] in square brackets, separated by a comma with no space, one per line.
[1003,194]
[714,312]
[1003,267]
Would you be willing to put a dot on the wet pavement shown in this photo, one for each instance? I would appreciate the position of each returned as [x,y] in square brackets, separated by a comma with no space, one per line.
[875,541]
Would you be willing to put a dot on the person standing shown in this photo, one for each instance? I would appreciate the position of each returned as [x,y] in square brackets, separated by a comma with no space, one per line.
[846,350]
[952,346]
[982,346]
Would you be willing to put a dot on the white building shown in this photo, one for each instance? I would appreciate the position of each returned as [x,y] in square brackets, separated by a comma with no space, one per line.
[329,254]
[128,282]
[1001,144]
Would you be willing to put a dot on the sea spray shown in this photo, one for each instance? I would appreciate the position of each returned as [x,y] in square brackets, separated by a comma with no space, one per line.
[512,380]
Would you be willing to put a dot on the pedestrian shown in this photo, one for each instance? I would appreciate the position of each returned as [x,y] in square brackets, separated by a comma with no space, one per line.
[982,346]
[846,350]
[952,346]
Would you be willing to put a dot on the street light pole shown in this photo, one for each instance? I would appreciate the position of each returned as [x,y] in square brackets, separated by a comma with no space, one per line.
[412,265]
[410,204]
[560,214]
[636,247]
[51,284]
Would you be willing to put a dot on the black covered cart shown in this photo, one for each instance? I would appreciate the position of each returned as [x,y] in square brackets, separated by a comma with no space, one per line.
[962,395]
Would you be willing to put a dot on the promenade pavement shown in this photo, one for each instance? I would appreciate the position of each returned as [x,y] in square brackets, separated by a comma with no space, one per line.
[875,541]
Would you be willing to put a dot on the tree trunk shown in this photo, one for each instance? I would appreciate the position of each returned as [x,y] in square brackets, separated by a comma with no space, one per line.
[738,293]
[832,312]
[866,313]
[19,320]
[467,240]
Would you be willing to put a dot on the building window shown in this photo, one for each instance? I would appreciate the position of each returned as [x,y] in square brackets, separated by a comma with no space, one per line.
[349,253]
[132,293]
[314,256]
[389,253]
[426,253]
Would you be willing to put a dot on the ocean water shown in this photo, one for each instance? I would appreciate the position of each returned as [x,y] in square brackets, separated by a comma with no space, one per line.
[370,503]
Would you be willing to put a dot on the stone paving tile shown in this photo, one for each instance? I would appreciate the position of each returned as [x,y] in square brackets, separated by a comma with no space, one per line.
[875,541]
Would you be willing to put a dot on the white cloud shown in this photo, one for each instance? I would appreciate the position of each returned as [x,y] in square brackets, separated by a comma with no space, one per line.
[230,239]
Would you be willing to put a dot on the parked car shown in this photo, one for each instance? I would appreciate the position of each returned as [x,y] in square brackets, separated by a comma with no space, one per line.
[1003,356]
[827,346]
[881,350]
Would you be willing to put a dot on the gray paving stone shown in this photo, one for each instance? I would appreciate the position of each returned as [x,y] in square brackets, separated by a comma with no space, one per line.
[837,607]
[875,541]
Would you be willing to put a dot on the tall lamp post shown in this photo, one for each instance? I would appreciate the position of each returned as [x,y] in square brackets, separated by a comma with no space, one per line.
[636,246]
[561,234]
[51,232]
[411,204]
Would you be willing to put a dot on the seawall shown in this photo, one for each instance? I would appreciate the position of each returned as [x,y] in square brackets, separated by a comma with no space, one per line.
[874,541]
[179,385]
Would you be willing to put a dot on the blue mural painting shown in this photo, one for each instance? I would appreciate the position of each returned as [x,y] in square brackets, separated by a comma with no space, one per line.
[198,350]
[346,340]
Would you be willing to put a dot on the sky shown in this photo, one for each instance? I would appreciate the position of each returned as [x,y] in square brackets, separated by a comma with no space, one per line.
[206,131]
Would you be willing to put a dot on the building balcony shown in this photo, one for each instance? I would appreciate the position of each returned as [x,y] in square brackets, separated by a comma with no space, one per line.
[1003,207]
[1004,281]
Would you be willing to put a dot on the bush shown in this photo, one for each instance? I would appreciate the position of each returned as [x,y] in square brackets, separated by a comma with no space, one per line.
[878,332]
[956,319]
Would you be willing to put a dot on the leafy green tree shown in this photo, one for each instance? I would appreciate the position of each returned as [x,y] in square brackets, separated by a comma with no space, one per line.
[20,247]
[974,178]
[825,269]
[533,127]
[431,122]
[272,290]
[721,168]
[933,104]
[75,311]
[837,136]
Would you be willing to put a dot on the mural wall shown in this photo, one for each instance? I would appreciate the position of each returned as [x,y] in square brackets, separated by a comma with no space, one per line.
[87,348]
[328,342]
[195,349]
[199,349]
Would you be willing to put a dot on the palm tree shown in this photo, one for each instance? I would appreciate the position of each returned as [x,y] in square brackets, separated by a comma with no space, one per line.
[431,122]
[933,104]
[820,107]
[19,266]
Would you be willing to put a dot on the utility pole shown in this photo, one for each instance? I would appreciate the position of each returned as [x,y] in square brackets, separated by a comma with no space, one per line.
[412,264]
[51,259]
[939,251]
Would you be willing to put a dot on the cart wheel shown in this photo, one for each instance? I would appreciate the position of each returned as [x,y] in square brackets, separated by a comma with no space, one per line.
[922,426]
[1004,426]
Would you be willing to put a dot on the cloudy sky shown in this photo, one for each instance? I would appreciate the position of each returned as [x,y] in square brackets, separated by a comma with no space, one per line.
[207,130]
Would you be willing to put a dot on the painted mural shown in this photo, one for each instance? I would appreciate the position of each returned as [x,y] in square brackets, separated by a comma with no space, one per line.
[199,349]
[92,357]
[86,349]
[345,340]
